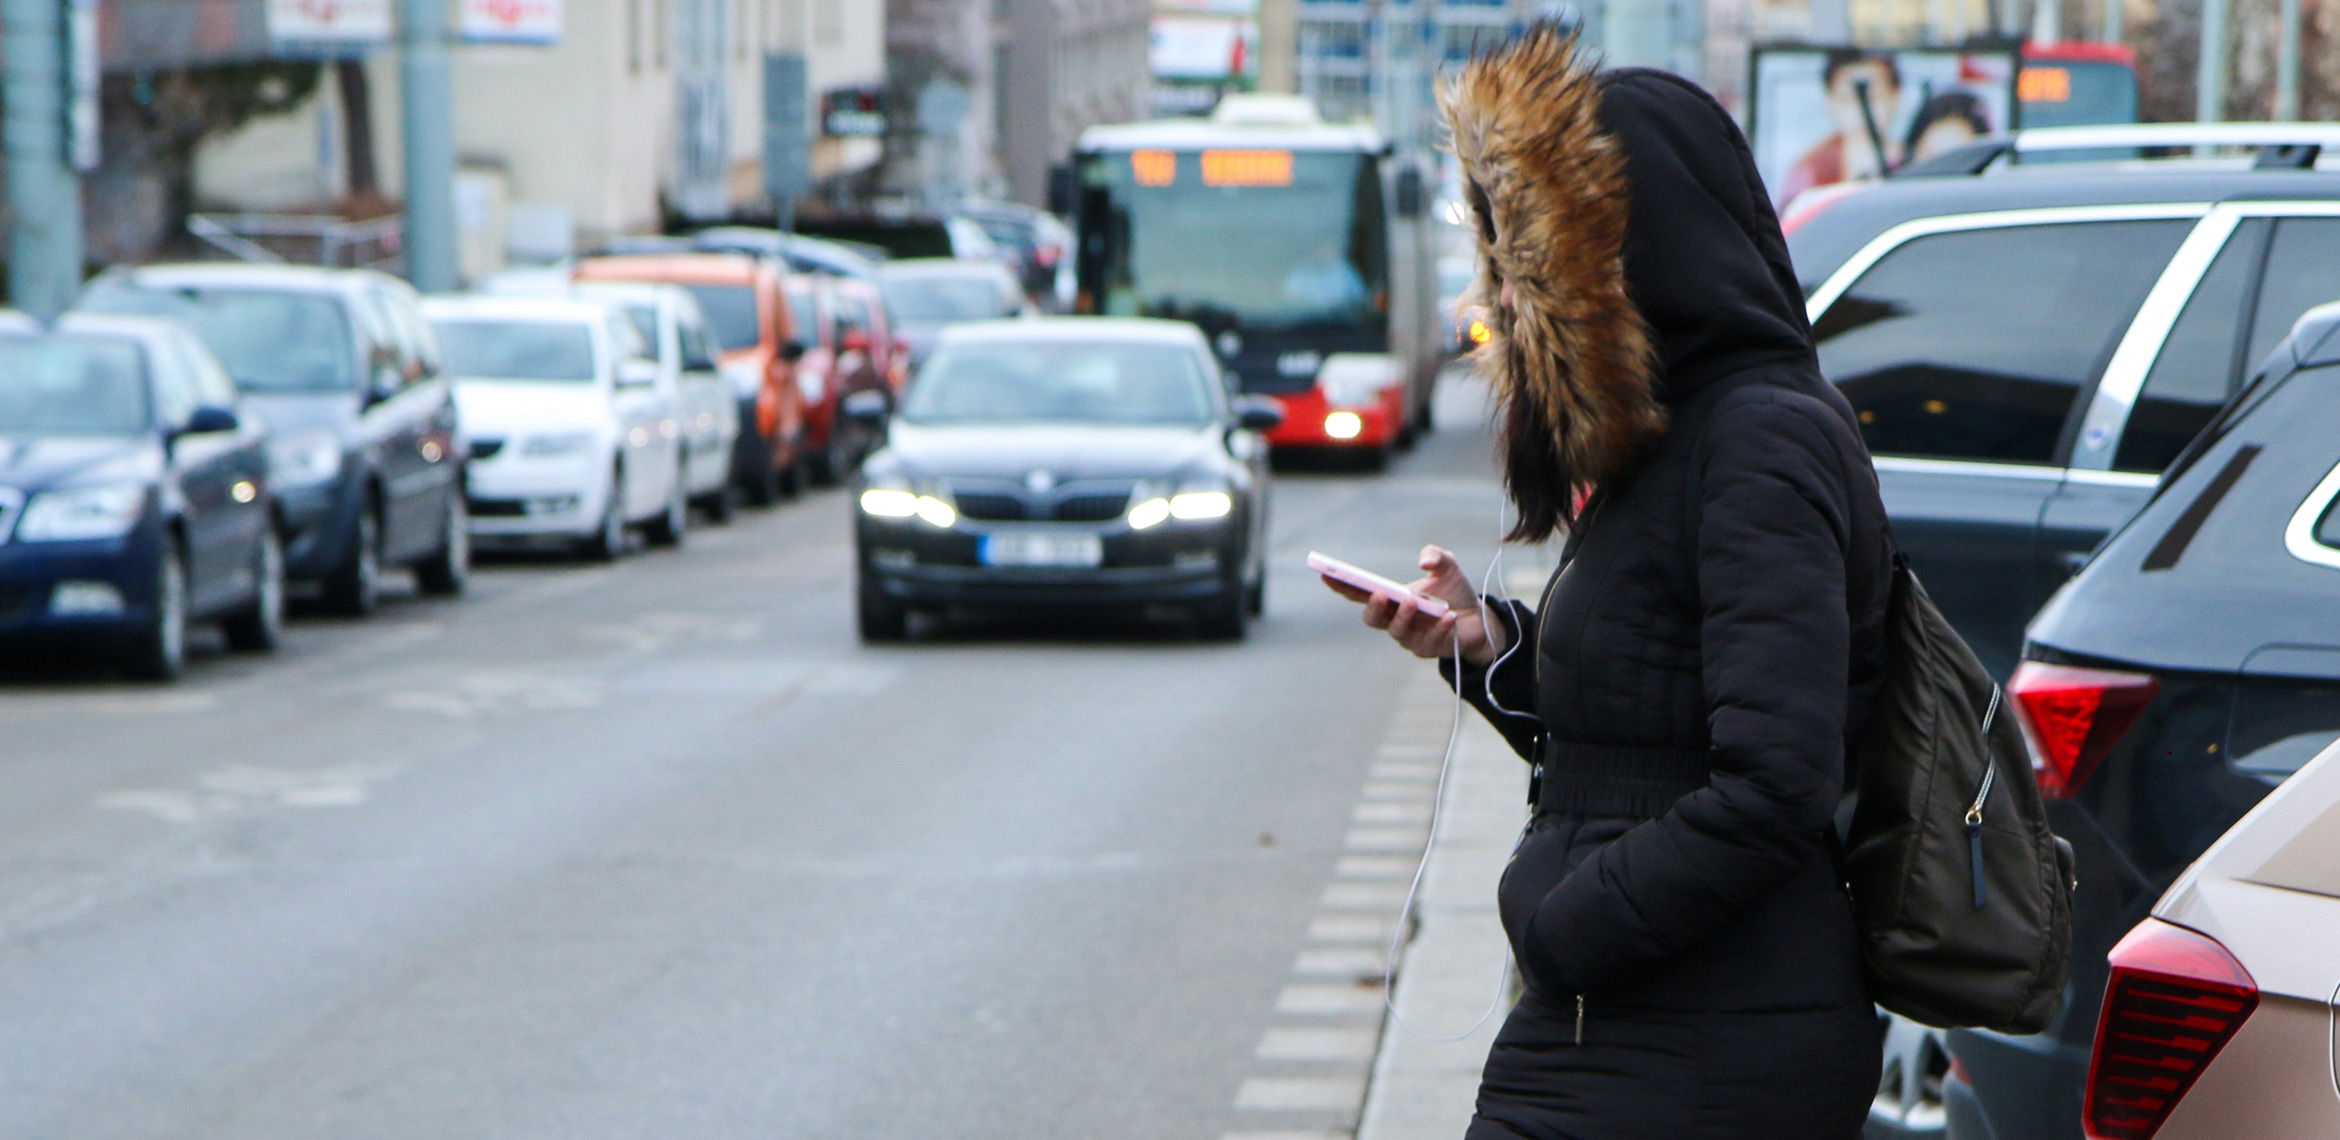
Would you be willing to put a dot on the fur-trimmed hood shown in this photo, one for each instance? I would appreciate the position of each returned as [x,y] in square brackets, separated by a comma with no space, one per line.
[1624,210]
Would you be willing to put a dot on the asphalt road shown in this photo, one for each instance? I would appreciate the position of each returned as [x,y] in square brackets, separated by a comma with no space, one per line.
[659,849]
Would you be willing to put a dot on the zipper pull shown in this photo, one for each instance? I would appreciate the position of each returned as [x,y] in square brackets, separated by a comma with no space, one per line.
[1974,856]
[1580,1019]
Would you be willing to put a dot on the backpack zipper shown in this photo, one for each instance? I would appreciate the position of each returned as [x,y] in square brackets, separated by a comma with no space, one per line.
[1580,1019]
[1974,818]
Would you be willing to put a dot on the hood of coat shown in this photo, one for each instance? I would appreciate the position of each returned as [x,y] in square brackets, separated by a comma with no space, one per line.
[1624,210]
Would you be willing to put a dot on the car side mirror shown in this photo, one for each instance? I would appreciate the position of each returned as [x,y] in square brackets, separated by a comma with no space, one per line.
[383,384]
[792,351]
[211,418]
[865,407]
[1258,413]
[637,373]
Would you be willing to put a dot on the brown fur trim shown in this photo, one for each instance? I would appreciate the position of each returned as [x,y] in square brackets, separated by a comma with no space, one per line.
[1571,358]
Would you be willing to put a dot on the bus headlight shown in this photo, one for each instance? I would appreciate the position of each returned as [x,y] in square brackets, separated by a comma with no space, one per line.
[1344,425]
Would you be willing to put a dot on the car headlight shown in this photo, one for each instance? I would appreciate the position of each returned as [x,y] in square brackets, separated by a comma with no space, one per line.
[1192,506]
[107,511]
[557,443]
[893,499]
[1357,379]
[304,459]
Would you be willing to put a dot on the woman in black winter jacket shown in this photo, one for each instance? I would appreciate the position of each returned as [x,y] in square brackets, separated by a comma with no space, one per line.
[1690,679]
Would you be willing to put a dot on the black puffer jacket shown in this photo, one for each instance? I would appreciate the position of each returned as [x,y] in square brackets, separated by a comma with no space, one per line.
[1692,675]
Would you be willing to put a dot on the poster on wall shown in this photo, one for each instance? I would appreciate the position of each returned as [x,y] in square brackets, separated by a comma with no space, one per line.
[329,21]
[511,22]
[1823,115]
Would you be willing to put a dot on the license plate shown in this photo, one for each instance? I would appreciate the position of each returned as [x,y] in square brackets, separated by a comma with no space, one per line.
[1027,548]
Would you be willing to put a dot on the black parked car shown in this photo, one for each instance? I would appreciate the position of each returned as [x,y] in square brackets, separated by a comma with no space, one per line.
[2029,344]
[345,371]
[2185,673]
[134,494]
[1067,462]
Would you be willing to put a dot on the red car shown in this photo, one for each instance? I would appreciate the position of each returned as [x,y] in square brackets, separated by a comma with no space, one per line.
[847,342]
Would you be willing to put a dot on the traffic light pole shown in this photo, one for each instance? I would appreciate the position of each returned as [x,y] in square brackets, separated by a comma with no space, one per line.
[429,99]
[44,195]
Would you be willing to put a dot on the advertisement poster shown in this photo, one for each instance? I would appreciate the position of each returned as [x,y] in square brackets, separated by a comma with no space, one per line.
[329,21]
[511,22]
[1822,115]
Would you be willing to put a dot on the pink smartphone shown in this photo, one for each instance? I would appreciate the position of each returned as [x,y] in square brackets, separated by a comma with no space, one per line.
[1364,579]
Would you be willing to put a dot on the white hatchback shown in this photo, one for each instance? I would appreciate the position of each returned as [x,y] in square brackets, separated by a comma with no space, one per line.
[574,431]
[668,319]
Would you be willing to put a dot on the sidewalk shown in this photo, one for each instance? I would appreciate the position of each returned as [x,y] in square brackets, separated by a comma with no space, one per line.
[1423,1089]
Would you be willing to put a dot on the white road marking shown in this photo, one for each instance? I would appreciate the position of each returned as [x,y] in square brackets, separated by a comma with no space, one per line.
[1321,999]
[1287,1093]
[1364,896]
[1384,839]
[1317,1044]
[1391,813]
[1428,772]
[1374,867]
[1331,928]
[1338,963]
[1409,790]
[244,787]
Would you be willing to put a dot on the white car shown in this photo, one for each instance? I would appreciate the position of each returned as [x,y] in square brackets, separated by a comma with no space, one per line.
[668,318]
[575,434]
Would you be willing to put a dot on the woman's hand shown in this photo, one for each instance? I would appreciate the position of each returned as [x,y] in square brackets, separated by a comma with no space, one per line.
[1421,634]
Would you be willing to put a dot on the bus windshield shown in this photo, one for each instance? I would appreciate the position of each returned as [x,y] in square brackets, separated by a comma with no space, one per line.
[1252,239]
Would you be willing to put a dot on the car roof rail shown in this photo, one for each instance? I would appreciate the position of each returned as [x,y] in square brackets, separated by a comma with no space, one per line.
[2282,146]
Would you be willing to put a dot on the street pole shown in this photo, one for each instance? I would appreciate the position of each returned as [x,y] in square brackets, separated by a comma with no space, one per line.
[44,195]
[2114,17]
[2287,64]
[427,81]
[2210,73]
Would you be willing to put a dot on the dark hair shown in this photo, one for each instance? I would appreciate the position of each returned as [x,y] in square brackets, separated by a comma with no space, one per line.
[1961,105]
[1542,487]
[1841,58]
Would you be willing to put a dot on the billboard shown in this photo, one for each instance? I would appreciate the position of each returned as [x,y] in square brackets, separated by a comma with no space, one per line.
[511,22]
[1821,115]
[329,21]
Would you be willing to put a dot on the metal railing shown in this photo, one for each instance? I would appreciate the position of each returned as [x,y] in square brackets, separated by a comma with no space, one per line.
[304,239]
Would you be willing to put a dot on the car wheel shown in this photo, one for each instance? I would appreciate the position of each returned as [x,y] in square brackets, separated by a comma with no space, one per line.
[882,618]
[762,484]
[159,651]
[1909,1087]
[448,571]
[1255,596]
[354,589]
[608,540]
[259,626]
[667,529]
[721,503]
[1228,616]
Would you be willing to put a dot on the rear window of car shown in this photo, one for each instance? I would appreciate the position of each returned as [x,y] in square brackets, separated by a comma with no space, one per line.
[517,349]
[72,385]
[271,340]
[943,298]
[1974,344]
[731,314]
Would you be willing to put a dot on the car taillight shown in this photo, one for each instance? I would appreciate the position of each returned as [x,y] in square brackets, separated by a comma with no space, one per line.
[2176,998]
[2073,716]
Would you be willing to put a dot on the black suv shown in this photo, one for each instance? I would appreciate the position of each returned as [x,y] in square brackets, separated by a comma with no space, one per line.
[2185,673]
[2029,346]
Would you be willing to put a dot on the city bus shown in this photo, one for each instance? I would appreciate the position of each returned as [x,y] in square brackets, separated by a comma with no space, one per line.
[1300,248]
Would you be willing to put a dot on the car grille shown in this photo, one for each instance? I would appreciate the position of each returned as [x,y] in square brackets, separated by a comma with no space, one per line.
[486,448]
[1075,503]
[1091,508]
[991,508]
[497,508]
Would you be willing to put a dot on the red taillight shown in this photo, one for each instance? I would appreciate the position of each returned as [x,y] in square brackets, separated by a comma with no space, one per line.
[2175,999]
[2073,716]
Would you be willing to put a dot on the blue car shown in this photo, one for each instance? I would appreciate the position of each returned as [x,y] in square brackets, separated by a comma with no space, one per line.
[134,495]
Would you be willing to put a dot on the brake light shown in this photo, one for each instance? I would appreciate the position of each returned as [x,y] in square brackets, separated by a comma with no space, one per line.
[2175,999]
[2073,716]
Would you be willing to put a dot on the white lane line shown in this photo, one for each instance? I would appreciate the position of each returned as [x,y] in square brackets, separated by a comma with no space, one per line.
[1411,790]
[1430,752]
[1286,1136]
[1318,1044]
[1364,896]
[1318,1000]
[1288,1093]
[1385,838]
[1427,773]
[1331,928]
[1374,867]
[1338,963]
[1378,812]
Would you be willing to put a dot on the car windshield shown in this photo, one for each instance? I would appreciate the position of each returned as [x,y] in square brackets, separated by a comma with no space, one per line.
[1062,382]
[272,340]
[517,349]
[644,317]
[731,314]
[940,299]
[71,385]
